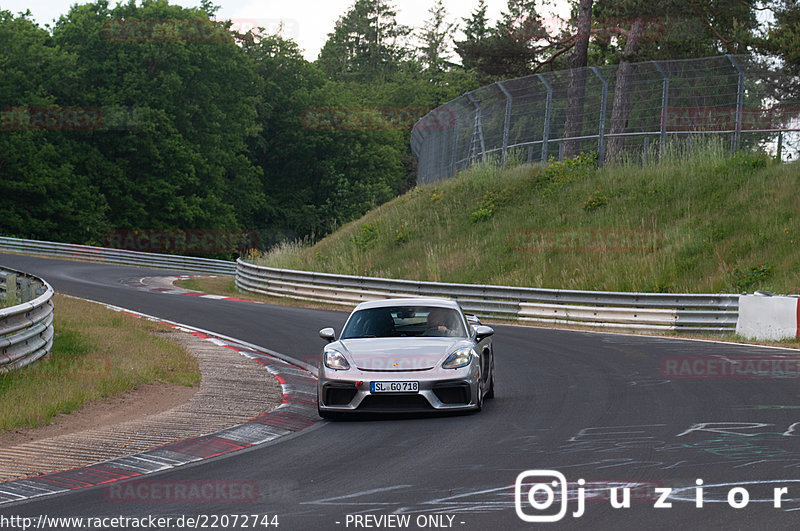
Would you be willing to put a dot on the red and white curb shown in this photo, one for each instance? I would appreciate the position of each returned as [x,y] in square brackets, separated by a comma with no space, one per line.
[147,284]
[296,412]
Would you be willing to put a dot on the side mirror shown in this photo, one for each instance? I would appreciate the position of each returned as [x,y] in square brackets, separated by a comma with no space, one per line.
[329,334]
[482,332]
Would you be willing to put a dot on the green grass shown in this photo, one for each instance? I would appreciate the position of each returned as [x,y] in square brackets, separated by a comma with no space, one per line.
[226,286]
[97,354]
[710,222]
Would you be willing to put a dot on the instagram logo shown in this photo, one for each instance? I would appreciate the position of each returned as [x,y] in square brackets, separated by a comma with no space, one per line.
[540,495]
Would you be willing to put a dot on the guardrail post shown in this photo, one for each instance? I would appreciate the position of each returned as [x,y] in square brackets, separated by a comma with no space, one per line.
[25,291]
[11,290]
[547,112]
[506,122]
[739,102]
[664,106]
[601,141]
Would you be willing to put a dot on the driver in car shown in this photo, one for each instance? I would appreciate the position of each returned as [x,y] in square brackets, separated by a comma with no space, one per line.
[439,323]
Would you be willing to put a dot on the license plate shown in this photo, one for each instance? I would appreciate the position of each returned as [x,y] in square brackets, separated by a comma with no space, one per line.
[394,387]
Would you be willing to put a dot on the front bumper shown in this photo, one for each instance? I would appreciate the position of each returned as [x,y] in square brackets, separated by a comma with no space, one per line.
[439,390]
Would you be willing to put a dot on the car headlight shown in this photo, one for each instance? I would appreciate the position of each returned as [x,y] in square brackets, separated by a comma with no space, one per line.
[335,360]
[459,358]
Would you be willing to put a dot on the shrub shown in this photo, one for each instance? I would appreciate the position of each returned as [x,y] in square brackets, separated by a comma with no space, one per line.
[743,280]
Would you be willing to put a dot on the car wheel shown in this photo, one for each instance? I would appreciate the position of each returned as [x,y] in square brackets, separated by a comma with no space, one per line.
[480,399]
[490,392]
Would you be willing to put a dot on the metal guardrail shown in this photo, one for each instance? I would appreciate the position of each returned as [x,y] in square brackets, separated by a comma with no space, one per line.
[647,311]
[118,256]
[26,329]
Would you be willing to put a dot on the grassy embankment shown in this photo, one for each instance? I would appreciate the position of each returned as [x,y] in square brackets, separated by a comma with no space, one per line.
[707,223]
[97,354]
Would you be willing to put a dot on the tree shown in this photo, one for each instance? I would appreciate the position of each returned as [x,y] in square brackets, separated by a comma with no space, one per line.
[476,27]
[783,42]
[366,44]
[183,163]
[42,193]
[511,49]
[436,36]
[576,93]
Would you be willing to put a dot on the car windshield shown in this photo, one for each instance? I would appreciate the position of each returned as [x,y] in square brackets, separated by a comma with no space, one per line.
[405,321]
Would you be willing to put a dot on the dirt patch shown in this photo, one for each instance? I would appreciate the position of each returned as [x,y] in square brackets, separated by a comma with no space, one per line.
[142,401]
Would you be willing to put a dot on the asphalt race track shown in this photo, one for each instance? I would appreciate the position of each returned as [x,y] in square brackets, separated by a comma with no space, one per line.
[591,406]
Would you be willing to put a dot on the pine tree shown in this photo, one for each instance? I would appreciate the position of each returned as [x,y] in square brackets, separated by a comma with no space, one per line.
[436,36]
[367,43]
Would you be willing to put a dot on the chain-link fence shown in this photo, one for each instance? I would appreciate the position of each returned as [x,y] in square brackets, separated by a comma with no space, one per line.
[617,111]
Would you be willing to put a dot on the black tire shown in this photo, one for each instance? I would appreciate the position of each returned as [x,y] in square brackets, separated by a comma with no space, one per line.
[490,392]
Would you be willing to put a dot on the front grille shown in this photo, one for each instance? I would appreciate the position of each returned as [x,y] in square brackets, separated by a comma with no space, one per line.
[395,370]
[452,394]
[339,396]
[398,402]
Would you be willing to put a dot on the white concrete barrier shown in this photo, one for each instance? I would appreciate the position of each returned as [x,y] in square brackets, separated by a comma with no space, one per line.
[770,318]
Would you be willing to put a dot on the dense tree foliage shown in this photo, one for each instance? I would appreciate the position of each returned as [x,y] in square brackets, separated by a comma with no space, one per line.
[783,41]
[147,115]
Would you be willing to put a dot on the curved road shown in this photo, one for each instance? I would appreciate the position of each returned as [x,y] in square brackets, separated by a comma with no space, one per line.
[593,406]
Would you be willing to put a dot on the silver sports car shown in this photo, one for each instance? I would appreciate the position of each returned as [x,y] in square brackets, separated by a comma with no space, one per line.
[406,355]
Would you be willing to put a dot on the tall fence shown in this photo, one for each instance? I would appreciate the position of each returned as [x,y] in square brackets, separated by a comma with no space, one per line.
[26,319]
[635,109]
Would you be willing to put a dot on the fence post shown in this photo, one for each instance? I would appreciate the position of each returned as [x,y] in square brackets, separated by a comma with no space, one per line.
[739,102]
[477,129]
[780,146]
[547,112]
[506,122]
[601,144]
[664,105]
[455,144]
[646,149]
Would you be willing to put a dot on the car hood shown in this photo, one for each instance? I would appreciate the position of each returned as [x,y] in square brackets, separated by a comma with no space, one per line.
[400,353]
